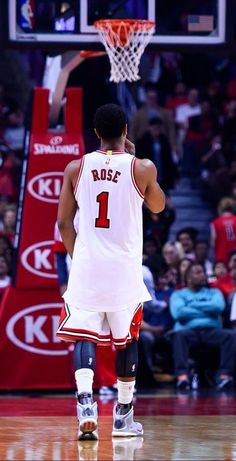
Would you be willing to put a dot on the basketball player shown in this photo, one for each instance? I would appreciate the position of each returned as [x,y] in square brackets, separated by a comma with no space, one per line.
[105,292]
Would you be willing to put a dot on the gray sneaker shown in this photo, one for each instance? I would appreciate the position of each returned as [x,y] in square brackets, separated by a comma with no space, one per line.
[125,426]
[88,421]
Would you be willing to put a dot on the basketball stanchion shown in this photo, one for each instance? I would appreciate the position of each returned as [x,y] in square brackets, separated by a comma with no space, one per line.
[125,41]
[72,60]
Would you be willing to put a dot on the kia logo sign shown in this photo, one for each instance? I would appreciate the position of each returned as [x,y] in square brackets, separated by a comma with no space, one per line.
[46,186]
[39,259]
[56,140]
[34,329]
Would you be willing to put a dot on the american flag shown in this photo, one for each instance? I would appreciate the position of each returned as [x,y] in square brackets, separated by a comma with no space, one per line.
[200,23]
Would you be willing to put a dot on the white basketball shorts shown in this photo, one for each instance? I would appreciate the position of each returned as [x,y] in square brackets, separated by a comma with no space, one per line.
[102,328]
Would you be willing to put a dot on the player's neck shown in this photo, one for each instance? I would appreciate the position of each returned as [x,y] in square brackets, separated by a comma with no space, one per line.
[117,145]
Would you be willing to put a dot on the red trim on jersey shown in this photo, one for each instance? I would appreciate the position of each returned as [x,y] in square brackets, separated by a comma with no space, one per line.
[82,338]
[114,152]
[72,334]
[79,175]
[134,179]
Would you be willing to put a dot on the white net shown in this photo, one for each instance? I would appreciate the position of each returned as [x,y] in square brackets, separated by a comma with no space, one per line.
[125,41]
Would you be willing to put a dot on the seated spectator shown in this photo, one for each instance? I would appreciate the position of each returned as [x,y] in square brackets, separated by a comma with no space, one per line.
[15,131]
[219,270]
[201,253]
[197,311]
[155,145]
[9,222]
[156,322]
[172,252]
[227,283]
[187,237]
[223,230]
[5,279]
[183,265]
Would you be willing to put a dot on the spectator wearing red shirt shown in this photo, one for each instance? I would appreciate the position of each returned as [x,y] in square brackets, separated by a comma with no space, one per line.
[223,230]
[179,97]
[227,283]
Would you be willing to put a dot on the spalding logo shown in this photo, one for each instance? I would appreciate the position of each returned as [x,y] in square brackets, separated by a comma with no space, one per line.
[46,186]
[39,259]
[35,327]
[56,140]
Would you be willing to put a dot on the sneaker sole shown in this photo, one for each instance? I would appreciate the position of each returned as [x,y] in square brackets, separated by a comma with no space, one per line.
[87,427]
[126,434]
[88,436]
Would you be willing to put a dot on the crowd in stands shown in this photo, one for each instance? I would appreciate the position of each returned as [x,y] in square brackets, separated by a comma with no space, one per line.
[185,122]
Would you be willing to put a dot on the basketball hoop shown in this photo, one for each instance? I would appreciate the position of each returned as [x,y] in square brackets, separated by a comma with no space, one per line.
[125,41]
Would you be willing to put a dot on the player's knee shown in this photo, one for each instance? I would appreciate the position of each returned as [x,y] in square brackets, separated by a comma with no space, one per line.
[84,355]
[127,361]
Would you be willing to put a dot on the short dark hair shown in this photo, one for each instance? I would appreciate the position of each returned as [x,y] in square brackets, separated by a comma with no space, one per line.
[190,268]
[109,121]
[191,231]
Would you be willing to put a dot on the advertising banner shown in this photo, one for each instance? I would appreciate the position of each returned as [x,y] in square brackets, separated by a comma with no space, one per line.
[49,153]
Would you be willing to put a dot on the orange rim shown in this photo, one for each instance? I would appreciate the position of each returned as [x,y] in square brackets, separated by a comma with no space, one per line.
[138,24]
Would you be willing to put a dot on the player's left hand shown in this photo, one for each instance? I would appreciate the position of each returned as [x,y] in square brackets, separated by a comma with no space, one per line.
[129,146]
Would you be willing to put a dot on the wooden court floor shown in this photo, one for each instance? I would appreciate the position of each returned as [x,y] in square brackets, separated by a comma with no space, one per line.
[176,427]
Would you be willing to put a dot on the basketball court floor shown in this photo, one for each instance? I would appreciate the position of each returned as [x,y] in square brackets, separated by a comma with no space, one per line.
[176,427]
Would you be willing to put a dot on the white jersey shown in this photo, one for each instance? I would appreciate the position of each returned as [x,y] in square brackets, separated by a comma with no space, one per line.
[106,271]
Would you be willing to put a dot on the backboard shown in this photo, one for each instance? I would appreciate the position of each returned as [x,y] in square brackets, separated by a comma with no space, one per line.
[70,23]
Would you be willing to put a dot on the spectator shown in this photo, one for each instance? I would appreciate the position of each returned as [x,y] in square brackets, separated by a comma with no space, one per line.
[6,249]
[172,252]
[223,230]
[219,270]
[185,111]
[151,255]
[183,265]
[150,109]
[227,283]
[187,237]
[201,256]
[197,312]
[5,279]
[178,98]
[9,222]
[156,322]
[201,128]
[61,258]
[155,145]
[214,173]
[158,226]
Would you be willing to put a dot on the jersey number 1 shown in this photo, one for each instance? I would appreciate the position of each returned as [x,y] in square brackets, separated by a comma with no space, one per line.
[102,219]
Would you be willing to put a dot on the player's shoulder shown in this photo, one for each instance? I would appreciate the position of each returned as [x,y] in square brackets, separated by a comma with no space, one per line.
[144,165]
[73,166]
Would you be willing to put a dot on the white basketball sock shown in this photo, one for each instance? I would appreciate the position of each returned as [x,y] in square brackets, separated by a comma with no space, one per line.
[125,391]
[84,380]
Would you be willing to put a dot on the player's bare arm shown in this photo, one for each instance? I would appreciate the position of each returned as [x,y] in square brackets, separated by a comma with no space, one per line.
[146,177]
[67,206]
